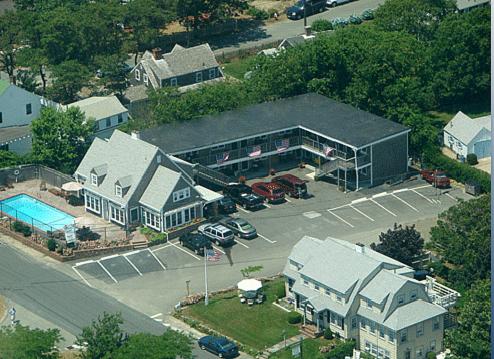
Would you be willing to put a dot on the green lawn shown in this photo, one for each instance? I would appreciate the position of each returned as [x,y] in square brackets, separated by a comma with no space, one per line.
[238,67]
[258,326]
[310,349]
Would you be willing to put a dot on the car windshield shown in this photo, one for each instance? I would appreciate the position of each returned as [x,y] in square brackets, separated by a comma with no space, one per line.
[227,200]
[439,175]
[244,224]
[227,233]
[278,191]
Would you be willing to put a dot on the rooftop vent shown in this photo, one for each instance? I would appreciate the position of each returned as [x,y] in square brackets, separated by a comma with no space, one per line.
[359,248]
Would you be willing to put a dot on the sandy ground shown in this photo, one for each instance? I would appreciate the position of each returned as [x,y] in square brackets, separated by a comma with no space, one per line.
[484,165]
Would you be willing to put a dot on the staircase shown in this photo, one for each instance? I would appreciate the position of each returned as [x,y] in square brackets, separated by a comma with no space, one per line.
[212,175]
[309,330]
[326,168]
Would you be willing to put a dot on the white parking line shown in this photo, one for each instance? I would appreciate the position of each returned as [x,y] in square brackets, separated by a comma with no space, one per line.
[266,239]
[267,205]
[183,250]
[421,195]
[380,205]
[158,319]
[160,248]
[218,249]
[450,196]
[335,208]
[405,202]
[106,270]
[157,315]
[286,199]
[133,266]
[236,241]
[341,219]
[362,213]
[243,210]
[419,187]
[82,263]
[109,257]
[157,260]
[80,275]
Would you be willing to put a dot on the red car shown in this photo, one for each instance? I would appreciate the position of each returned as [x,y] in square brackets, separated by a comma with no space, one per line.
[271,191]
[437,178]
[292,185]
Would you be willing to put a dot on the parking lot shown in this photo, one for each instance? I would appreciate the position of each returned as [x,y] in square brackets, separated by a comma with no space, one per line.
[355,216]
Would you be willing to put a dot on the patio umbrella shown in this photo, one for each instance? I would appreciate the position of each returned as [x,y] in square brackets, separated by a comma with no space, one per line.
[249,285]
[72,186]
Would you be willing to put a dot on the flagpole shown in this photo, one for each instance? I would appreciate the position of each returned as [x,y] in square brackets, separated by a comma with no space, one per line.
[206,297]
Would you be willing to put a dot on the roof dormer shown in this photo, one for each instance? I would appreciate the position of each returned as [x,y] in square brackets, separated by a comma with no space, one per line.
[97,174]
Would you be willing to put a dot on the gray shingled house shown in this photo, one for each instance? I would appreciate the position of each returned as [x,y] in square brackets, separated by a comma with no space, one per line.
[363,295]
[179,67]
[128,181]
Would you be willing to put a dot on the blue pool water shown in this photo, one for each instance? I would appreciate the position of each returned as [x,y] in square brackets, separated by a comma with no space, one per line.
[31,211]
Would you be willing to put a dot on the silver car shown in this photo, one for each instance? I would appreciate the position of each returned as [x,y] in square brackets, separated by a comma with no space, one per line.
[217,233]
[240,227]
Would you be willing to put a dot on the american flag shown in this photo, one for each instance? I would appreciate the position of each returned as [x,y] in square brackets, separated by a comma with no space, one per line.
[256,151]
[222,157]
[282,145]
[328,151]
[213,255]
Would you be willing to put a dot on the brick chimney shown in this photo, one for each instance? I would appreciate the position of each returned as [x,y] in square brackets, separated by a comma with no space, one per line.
[156,53]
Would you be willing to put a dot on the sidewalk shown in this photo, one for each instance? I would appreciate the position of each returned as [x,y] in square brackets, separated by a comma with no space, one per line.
[282,345]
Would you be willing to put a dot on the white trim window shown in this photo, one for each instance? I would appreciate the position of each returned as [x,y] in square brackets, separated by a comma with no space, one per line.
[151,220]
[181,194]
[199,76]
[94,179]
[137,75]
[117,214]
[118,191]
[145,78]
[180,217]
[173,82]
[92,203]
[212,73]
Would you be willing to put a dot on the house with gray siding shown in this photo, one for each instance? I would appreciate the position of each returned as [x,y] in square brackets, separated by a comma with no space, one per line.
[368,297]
[180,67]
[352,147]
[128,182]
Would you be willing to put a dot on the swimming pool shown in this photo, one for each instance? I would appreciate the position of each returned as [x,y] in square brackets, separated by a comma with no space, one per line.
[31,211]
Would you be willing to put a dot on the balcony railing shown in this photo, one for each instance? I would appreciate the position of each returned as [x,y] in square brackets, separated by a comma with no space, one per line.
[440,294]
[319,147]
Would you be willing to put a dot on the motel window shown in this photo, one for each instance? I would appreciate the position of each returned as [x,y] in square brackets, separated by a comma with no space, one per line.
[181,194]
[94,179]
[369,303]
[403,336]
[199,76]
[391,336]
[179,218]
[29,109]
[316,287]
[173,81]
[138,75]
[338,298]
[372,326]
[145,78]
[134,214]
[420,329]
[401,299]
[174,220]
[120,118]
[212,73]
[92,203]
[381,331]
[362,323]
[327,291]
[108,122]
[354,323]
[118,191]
[152,220]
[435,324]
[306,282]
[117,215]
[168,222]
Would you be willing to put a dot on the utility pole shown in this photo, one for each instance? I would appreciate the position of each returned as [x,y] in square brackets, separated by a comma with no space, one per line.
[187,283]
[206,297]
[301,352]
[305,14]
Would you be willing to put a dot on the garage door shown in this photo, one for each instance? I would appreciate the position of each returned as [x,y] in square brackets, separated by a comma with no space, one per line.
[482,149]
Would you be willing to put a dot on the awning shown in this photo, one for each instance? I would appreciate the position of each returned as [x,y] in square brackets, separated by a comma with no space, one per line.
[72,186]
[208,195]
[249,285]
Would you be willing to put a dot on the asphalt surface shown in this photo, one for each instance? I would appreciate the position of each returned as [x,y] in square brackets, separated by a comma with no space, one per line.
[272,32]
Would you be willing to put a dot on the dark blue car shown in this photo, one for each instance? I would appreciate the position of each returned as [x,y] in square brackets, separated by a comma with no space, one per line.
[219,346]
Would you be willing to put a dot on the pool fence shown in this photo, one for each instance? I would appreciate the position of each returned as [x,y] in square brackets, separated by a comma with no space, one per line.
[15,174]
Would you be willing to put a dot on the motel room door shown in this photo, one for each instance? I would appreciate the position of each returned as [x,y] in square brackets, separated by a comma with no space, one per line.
[104,208]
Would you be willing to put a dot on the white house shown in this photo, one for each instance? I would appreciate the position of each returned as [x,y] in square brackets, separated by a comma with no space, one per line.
[464,135]
[18,108]
[107,112]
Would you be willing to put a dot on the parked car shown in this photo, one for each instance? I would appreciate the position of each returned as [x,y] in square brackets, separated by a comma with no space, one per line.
[437,178]
[240,227]
[333,3]
[271,191]
[292,185]
[195,242]
[217,233]
[242,194]
[296,11]
[220,346]
[226,205]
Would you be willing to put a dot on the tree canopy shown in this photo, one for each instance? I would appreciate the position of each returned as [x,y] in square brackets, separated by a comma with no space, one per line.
[22,342]
[401,243]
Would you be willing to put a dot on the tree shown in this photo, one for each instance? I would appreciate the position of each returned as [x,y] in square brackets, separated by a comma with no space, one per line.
[68,79]
[10,30]
[461,57]
[423,135]
[462,238]
[104,336]
[8,158]
[61,138]
[419,18]
[402,244]
[114,75]
[471,338]
[21,342]
[169,345]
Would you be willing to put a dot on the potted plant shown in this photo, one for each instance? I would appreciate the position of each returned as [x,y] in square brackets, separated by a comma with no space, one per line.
[242,179]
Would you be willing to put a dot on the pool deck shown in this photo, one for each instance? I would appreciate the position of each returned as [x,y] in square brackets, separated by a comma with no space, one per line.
[107,230]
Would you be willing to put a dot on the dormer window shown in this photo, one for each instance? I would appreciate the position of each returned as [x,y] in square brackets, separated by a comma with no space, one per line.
[401,299]
[369,303]
[94,179]
[118,191]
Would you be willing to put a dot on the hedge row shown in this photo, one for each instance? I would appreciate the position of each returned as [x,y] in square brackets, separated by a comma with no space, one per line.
[460,172]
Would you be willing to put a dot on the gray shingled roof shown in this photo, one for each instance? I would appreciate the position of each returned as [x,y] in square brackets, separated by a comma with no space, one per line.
[160,188]
[465,128]
[316,112]
[383,284]
[98,107]
[124,156]
[413,313]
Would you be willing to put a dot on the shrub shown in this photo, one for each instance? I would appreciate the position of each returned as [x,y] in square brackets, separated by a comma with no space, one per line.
[147,231]
[258,14]
[51,244]
[158,239]
[322,25]
[22,228]
[280,291]
[85,234]
[328,334]
[460,172]
[431,355]
[76,201]
[294,318]
[342,350]
[271,12]
[472,159]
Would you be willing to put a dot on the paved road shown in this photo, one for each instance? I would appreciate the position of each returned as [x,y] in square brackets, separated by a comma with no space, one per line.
[62,300]
[283,29]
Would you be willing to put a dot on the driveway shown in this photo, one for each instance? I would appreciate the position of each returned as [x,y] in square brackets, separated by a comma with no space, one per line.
[484,164]
[283,29]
